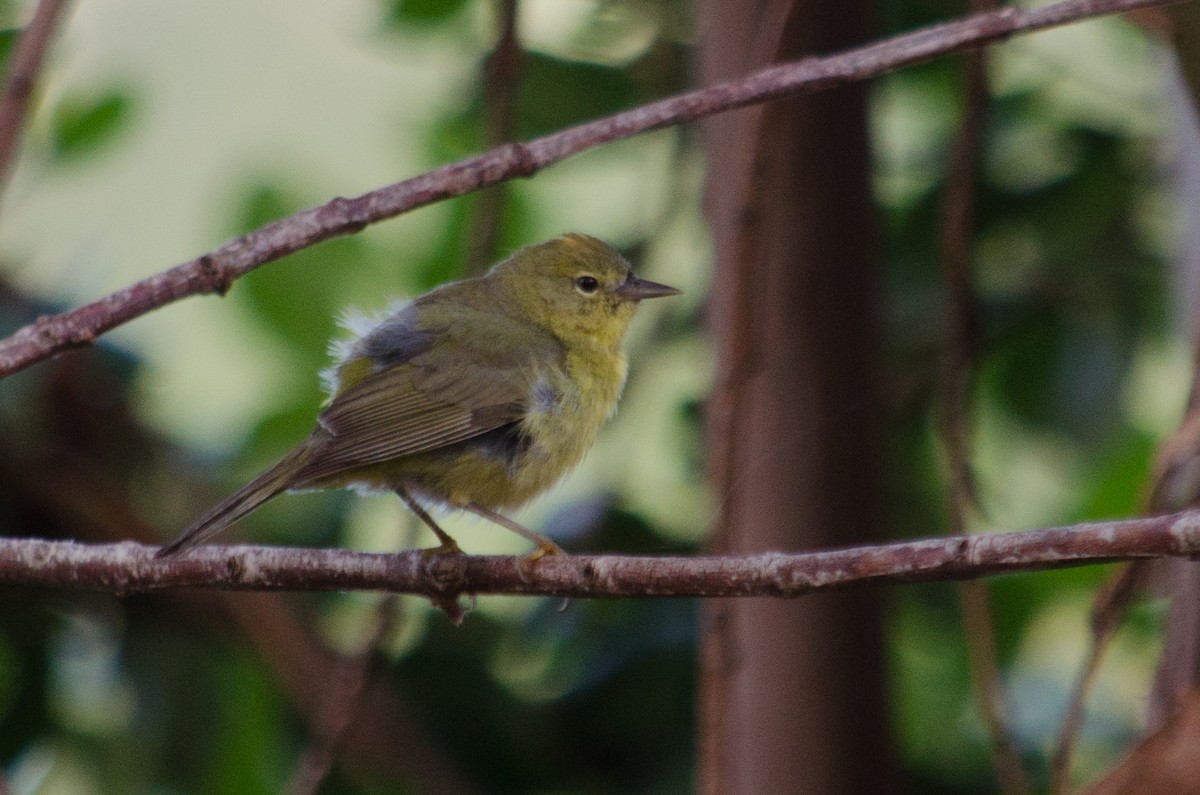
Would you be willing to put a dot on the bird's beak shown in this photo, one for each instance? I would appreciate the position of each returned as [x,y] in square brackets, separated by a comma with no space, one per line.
[635,289]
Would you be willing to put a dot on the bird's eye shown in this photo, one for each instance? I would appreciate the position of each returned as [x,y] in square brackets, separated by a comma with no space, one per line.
[587,284]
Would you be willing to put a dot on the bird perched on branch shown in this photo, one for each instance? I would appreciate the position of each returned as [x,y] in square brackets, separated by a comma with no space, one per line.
[478,395]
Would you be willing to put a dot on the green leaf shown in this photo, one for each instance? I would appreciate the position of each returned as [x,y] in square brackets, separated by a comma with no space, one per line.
[555,93]
[8,37]
[251,747]
[423,12]
[299,297]
[81,125]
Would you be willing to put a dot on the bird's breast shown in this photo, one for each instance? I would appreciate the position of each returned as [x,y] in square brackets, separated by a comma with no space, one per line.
[567,406]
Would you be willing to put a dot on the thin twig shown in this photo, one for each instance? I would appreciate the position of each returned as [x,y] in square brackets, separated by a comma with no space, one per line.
[1108,613]
[349,687]
[500,99]
[216,271]
[1174,486]
[957,232]
[24,65]
[130,567]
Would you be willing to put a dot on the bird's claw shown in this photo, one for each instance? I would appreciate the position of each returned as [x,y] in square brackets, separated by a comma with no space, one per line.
[545,547]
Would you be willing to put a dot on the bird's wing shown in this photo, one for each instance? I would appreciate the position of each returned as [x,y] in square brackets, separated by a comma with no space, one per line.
[415,407]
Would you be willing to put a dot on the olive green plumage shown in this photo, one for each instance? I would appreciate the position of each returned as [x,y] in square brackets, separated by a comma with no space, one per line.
[479,395]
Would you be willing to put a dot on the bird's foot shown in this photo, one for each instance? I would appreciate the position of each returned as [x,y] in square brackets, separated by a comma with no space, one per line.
[545,547]
[526,563]
[448,547]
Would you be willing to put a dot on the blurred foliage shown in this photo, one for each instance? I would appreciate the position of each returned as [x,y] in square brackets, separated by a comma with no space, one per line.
[82,125]
[423,12]
[8,36]
[1073,301]
[1076,340]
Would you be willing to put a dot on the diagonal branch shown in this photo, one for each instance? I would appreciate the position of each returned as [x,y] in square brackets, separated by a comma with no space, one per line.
[23,68]
[351,684]
[215,272]
[130,567]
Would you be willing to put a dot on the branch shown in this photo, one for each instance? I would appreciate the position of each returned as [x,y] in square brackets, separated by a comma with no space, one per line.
[957,230]
[24,65]
[349,687]
[501,76]
[129,567]
[215,272]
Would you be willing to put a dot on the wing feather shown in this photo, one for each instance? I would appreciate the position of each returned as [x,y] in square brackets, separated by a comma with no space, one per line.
[415,407]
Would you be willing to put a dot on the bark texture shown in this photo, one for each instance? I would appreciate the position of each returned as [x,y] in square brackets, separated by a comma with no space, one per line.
[792,693]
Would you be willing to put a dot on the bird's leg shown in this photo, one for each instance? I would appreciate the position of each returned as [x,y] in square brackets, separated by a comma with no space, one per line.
[448,546]
[545,545]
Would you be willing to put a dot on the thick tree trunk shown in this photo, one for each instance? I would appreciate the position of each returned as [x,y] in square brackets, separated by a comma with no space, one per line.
[792,693]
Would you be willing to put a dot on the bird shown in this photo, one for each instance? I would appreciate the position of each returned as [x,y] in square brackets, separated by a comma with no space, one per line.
[478,395]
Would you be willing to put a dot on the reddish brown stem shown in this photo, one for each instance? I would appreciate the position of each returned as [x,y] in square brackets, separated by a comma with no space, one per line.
[131,567]
[353,676]
[499,96]
[23,68]
[957,233]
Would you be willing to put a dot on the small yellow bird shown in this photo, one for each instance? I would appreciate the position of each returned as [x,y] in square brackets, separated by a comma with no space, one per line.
[478,395]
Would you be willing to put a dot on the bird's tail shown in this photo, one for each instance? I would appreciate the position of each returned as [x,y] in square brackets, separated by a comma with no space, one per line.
[234,507]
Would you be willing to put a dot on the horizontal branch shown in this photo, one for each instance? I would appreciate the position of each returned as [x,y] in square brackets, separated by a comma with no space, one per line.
[216,271]
[130,567]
